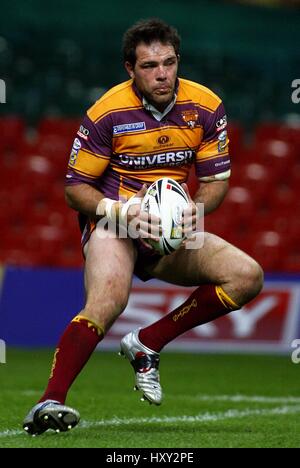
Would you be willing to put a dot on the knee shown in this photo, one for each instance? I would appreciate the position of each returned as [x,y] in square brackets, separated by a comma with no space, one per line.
[249,280]
[106,309]
[116,305]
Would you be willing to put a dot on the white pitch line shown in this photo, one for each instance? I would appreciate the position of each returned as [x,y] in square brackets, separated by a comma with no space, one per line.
[202,417]
[11,433]
[239,398]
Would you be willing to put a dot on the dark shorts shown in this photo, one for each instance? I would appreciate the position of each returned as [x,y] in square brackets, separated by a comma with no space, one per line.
[145,257]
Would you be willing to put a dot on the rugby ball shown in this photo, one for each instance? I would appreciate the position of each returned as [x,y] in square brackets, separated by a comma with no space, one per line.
[166,199]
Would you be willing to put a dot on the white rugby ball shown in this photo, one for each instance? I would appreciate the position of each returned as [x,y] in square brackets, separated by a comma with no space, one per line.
[166,199]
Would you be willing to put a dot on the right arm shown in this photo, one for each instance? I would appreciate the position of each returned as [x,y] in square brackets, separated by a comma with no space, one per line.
[91,202]
[83,198]
[89,159]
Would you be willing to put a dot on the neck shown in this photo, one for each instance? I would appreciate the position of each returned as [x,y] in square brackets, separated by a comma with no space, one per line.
[160,107]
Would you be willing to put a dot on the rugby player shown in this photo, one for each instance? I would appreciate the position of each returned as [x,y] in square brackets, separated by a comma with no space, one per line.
[154,125]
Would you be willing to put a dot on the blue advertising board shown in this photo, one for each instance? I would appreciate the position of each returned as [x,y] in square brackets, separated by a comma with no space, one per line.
[37,304]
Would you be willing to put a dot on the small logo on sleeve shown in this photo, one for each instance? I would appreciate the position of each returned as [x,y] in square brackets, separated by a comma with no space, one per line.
[74,152]
[221,123]
[222,141]
[83,132]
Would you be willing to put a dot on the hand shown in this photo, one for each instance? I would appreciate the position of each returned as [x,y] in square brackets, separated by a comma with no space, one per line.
[140,224]
[190,215]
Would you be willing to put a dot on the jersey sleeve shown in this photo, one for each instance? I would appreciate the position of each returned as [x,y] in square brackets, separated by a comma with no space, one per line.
[212,158]
[90,153]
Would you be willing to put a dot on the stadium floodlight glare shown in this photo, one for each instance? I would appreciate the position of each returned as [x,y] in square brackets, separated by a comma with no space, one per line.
[2,352]
[2,92]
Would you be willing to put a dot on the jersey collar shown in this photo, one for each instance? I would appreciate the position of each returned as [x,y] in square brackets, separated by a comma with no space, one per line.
[156,113]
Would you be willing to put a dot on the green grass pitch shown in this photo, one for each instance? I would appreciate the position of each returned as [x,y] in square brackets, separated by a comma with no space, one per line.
[210,401]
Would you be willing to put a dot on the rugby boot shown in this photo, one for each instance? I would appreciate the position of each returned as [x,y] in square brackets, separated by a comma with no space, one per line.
[145,363]
[50,414]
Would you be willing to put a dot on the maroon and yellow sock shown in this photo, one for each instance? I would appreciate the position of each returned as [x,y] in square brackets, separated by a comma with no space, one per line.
[73,351]
[205,304]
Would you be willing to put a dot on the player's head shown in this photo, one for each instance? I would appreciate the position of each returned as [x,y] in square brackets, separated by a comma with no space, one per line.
[151,54]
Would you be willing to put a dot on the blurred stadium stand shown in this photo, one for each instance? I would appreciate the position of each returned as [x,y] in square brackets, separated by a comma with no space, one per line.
[55,66]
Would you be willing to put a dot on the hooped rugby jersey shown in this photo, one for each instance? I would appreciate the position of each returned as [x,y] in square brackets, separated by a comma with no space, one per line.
[121,145]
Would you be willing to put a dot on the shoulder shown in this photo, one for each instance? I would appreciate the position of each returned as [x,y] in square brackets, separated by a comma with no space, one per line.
[199,94]
[118,98]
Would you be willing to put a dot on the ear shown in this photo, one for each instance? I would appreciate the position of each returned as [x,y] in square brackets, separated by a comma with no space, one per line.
[130,69]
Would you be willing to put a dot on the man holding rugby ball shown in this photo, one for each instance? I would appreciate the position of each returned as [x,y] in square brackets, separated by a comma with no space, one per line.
[154,125]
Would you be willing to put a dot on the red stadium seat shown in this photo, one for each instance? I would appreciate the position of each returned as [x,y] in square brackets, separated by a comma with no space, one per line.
[70,253]
[12,130]
[276,130]
[70,256]
[284,199]
[236,140]
[269,249]
[219,223]
[239,203]
[295,176]
[59,127]
[277,153]
[56,148]
[21,257]
[260,181]
[39,167]
[291,262]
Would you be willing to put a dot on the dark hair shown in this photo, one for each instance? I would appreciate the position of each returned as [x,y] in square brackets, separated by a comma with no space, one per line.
[148,31]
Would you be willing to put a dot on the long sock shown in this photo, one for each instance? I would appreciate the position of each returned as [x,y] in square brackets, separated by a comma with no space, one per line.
[73,351]
[205,304]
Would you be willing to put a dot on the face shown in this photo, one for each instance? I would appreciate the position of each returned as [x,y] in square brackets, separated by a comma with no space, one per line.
[155,72]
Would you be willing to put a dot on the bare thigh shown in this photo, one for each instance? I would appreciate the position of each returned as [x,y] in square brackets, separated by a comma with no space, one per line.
[214,263]
[108,276]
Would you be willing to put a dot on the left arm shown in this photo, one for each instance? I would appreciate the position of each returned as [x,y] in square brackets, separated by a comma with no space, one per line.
[212,158]
[212,164]
[211,194]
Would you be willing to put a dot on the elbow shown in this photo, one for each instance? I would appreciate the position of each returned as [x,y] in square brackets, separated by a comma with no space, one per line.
[69,197]
[226,187]
[224,190]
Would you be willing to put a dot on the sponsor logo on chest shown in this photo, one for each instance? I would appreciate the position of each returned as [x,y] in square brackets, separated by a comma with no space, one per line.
[170,158]
[129,127]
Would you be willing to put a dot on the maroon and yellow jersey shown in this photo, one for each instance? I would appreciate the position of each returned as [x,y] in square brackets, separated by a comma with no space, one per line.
[122,144]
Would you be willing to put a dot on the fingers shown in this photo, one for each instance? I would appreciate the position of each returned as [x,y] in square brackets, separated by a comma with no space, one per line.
[190,214]
[133,205]
[144,225]
[150,218]
[133,211]
[190,220]
[149,226]
[142,192]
